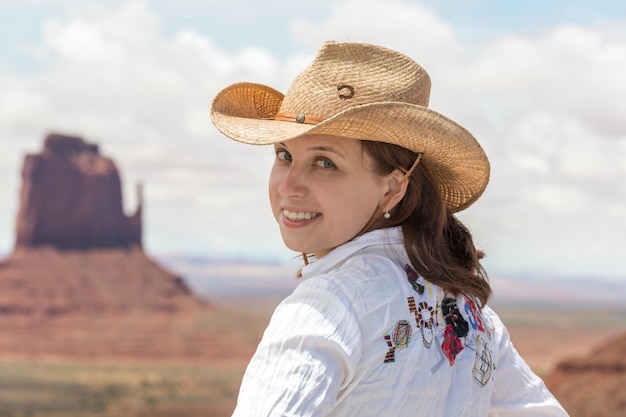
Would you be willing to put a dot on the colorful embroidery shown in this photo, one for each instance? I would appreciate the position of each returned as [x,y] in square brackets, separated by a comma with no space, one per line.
[456,327]
[453,317]
[402,334]
[473,316]
[451,345]
[413,276]
[424,317]
[441,321]
[483,363]
[430,289]
[391,353]
[398,339]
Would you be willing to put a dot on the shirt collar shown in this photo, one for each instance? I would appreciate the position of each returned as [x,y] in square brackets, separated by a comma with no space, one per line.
[388,236]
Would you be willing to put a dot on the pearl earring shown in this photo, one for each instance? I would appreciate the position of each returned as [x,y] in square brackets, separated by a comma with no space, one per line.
[387,215]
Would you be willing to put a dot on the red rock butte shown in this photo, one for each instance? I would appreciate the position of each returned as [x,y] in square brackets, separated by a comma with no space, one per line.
[76,252]
[71,198]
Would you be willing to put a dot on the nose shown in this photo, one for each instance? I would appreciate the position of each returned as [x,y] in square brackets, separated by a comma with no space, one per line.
[293,182]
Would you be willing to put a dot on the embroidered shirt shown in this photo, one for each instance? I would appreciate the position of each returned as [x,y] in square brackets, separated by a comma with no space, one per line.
[364,335]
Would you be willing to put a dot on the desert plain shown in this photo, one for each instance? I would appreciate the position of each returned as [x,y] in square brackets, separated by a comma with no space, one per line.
[191,363]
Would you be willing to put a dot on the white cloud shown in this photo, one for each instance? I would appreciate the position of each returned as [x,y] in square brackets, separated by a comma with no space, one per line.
[396,24]
[548,108]
[110,77]
[558,149]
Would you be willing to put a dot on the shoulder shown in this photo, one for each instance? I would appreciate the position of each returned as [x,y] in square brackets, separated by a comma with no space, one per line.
[369,272]
[371,284]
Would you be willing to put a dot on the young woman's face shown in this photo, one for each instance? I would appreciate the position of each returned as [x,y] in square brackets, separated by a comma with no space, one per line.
[323,191]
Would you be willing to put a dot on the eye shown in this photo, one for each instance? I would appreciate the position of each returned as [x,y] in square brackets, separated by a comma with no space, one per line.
[283,155]
[325,163]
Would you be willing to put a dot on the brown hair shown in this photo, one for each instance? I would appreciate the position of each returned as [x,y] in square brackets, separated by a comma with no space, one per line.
[439,246]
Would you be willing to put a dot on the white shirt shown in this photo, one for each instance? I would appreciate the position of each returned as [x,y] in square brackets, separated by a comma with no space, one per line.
[358,338]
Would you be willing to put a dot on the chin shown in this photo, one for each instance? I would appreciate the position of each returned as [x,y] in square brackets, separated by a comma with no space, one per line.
[293,246]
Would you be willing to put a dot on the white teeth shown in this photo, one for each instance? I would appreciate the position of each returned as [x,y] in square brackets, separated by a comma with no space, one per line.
[298,216]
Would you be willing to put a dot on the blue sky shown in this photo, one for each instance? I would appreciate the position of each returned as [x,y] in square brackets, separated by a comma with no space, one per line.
[239,23]
[539,83]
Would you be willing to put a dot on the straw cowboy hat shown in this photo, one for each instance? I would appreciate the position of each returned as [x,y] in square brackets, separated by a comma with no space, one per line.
[360,91]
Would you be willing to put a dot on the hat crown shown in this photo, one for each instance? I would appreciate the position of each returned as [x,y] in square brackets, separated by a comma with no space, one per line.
[345,75]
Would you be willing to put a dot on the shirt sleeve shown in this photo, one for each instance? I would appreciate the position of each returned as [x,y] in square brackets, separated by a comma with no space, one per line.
[518,392]
[308,353]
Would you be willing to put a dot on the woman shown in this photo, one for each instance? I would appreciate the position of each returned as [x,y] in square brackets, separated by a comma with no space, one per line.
[391,317]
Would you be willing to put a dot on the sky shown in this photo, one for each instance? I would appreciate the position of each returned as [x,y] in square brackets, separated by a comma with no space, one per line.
[540,84]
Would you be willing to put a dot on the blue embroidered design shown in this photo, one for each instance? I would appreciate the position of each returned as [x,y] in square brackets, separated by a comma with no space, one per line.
[474,316]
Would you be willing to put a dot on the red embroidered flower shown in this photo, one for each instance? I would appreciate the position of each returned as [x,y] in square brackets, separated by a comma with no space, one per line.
[451,345]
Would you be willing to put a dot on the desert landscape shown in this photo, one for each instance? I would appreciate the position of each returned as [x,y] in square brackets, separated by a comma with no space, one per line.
[90,325]
[191,363]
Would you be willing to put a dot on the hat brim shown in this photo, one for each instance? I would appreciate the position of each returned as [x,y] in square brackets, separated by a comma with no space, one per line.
[244,112]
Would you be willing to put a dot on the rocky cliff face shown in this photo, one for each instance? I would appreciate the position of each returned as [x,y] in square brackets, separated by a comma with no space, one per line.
[593,386]
[76,252]
[71,199]
[47,282]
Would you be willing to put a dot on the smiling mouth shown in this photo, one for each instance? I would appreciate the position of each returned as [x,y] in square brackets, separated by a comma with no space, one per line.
[299,215]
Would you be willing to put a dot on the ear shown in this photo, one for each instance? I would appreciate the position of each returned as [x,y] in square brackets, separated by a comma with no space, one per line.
[395,186]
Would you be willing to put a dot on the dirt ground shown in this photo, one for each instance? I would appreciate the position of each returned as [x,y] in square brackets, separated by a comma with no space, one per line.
[545,336]
[190,364]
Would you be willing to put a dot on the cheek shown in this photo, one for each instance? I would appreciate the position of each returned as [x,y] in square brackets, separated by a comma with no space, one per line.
[356,203]
[370,196]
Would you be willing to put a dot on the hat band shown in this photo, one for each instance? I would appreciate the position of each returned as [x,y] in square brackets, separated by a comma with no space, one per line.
[298,118]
